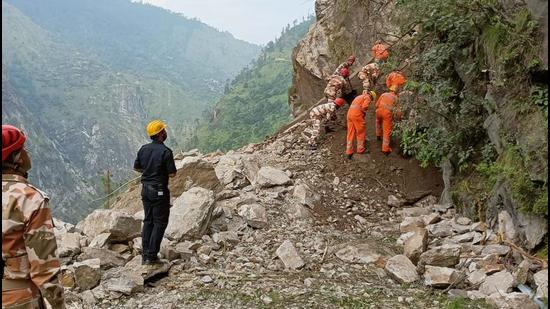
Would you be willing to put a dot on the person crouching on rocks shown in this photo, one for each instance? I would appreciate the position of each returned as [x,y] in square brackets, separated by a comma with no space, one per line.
[321,114]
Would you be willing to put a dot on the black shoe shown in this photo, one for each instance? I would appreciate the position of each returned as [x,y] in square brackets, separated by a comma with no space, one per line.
[311,147]
[152,261]
[348,156]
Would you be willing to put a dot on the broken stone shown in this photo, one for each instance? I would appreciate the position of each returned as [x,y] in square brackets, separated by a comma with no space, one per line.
[410,224]
[501,282]
[191,214]
[358,253]
[441,229]
[121,226]
[478,227]
[431,218]
[468,237]
[228,239]
[541,280]
[401,269]
[122,280]
[447,255]
[439,277]
[305,196]
[271,177]
[534,228]
[506,226]
[298,212]
[496,249]
[168,251]
[403,238]
[207,279]
[416,245]
[119,248]
[394,201]
[87,273]
[522,272]
[88,298]
[100,240]
[415,212]
[107,258]
[255,215]
[477,277]
[289,256]
[137,244]
[511,301]
[442,208]
[463,221]
[459,228]
[68,244]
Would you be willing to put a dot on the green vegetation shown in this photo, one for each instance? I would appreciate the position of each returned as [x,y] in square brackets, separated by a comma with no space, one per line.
[84,78]
[460,50]
[256,102]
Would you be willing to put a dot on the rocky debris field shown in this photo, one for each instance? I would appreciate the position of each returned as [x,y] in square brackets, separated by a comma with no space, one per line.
[281,226]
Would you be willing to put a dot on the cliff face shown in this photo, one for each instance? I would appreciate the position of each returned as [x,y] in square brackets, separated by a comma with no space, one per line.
[476,98]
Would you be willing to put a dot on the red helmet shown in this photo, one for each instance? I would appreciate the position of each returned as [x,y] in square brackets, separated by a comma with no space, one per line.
[344,72]
[351,59]
[12,140]
[339,101]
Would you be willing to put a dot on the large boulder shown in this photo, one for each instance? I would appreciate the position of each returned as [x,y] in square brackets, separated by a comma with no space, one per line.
[401,269]
[501,282]
[270,177]
[122,280]
[107,258]
[305,195]
[439,277]
[191,214]
[237,170]
[255,215]
[87,273]
[121,226]
[289,255]
[511,301]
[68,244]
[416,244]
[541,280]
[196,172]
[447,255]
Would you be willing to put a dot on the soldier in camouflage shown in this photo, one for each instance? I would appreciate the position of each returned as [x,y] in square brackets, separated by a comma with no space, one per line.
[30,266]
[319,115]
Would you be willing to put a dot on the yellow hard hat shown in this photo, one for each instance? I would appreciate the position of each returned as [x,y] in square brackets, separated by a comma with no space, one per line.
[155,127]
[393,88]
[373,95]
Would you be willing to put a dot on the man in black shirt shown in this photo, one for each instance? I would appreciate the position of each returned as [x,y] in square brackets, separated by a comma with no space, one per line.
[156,163]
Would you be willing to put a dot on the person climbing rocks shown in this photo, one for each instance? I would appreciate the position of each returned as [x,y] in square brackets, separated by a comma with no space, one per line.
[346,64]
[30,266]
[388,110]
[337,86]
[356,123]
[156,164]
[380,52]
[320,115]
[369,75]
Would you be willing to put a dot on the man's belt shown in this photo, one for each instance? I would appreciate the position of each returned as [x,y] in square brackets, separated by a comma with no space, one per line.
[16,284]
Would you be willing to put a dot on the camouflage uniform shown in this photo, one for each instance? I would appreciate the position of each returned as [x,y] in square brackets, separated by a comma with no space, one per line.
[318,115]
[337,87]
[28,248]
[346,65]
[369,75]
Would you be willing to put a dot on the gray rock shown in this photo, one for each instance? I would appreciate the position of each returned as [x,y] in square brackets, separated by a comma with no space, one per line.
[140,215]
[122,280]
[473,237]
[207,279]
[228,239]
[431,218]
[121,226]
[441,229]
[289,255]
[87,274]
[496,249]
[358,253]
[439,277]
[401,269]
[410,224]
[463,221]
[305,195]
[477,277]
[298,212]
[394,201]
[254,215]
[62,227]
[108,258]
[534,229]
[271,177]
[403,238]
[506,226]
[416,244]
[137,245]
[475,294]
[541,280]
[415,212]
[522,272]
[100,241]
[88,298]
[230,171]
[68,244]
[501,282]
[191,214]
[168,251]
[447,255]
[511,301]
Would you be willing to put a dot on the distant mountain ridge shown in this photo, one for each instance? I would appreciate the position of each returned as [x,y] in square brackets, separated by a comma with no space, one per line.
[82,78]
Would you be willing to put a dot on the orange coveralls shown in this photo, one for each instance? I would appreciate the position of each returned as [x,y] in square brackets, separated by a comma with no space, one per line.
[356,123]
[385,108]
[380,52]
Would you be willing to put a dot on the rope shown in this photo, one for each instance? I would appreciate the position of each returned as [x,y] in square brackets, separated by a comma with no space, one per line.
[123,185]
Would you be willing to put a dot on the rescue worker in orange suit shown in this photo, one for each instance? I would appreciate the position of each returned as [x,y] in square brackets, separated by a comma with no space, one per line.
[319,115]
[388,110]
[356,123]
[380,52]
[369,75]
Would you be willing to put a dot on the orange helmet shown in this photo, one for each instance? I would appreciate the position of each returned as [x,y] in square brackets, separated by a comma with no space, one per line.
[339,102]
[395,80]
[344,72]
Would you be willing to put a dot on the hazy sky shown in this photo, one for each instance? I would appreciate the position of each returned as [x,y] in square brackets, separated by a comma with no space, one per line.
[256,21]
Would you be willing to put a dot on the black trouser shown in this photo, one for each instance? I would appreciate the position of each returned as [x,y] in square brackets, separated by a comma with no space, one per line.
[157,211]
